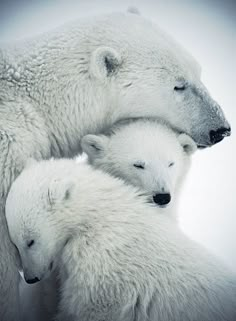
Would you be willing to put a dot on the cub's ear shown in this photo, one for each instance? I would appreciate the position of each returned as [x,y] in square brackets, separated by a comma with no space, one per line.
[94,146]
[60,190]
[188,144]
[105,61]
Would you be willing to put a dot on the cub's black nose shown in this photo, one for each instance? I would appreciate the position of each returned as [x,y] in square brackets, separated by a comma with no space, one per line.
[32,281]
[162,199]
[217,135]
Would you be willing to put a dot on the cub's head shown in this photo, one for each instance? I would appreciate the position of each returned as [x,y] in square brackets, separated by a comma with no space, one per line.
[34,203]
[146,154]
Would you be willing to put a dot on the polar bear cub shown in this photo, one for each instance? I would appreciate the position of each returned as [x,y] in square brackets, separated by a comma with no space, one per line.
[144,153]
[115,263]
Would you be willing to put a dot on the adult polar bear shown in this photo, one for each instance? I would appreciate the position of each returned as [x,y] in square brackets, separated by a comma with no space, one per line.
[80,79]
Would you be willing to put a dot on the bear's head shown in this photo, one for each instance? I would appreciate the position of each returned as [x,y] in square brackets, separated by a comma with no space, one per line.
[32,204]
[145,73]
[143,153]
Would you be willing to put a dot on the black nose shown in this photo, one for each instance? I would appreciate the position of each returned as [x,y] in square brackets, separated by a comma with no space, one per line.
[32,281]
[162,199]
[217,135]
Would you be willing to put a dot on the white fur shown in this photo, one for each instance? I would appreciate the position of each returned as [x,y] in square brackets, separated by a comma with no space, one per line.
[164,156]
[118,258]
[79,79]
[146,142]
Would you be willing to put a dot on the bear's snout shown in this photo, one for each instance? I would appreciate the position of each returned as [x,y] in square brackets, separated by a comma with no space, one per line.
[162,199]
[218,135]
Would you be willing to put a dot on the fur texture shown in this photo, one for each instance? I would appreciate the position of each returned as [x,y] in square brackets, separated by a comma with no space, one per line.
[144,153]
[115,263]
[165,157]
[79,79]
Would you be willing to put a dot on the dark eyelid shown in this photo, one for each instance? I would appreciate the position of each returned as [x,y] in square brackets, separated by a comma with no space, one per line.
[139,166]
[30,243]
[171,164]
[180,88]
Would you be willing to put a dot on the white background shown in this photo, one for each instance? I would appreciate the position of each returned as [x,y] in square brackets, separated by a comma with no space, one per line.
[207,30]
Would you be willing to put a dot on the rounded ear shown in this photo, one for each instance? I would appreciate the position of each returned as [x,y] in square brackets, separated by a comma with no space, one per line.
[59,190]
[104,62]
[133,10]
[187,143]
[93,145]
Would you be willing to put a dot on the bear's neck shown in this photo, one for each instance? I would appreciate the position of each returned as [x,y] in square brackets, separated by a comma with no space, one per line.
[98,216]
[61,89]
[73,113]
[72,110]
[111,201]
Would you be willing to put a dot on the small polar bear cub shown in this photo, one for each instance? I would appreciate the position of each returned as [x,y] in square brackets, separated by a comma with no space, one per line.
[115,264]
[145,153]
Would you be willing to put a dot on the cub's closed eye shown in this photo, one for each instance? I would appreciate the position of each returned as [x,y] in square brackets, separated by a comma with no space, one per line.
[30,243]
[180,88]
[171,164]
[140,166]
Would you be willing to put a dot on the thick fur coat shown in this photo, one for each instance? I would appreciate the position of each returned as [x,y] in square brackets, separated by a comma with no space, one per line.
[119,259]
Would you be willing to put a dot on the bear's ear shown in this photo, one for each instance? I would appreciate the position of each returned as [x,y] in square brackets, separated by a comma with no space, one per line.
[60,190]
[94,146]
[105,61]
[188,144]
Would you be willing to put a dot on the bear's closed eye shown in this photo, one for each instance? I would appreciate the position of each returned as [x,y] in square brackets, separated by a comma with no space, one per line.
[141,166]
[30,243]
